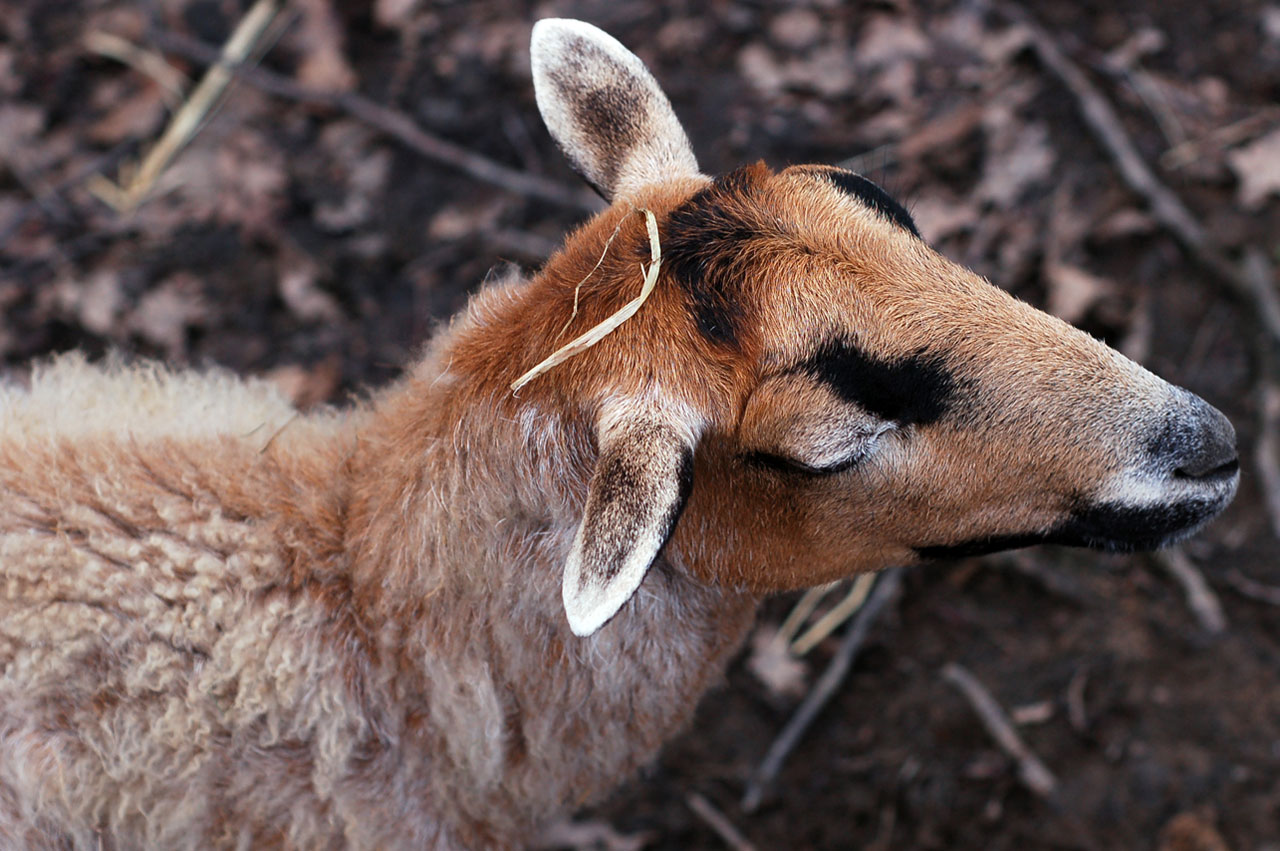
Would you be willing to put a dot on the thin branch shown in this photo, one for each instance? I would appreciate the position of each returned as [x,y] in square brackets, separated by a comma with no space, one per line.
[886,588]
[718,822]
[1201,599]
[1031,771]
[1252,588]
[393,123]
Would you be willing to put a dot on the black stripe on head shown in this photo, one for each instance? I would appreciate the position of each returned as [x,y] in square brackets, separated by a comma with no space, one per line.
[915,390]
[704,249]
[871,195]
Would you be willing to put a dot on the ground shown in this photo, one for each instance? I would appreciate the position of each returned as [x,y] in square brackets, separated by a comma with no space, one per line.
[295,239]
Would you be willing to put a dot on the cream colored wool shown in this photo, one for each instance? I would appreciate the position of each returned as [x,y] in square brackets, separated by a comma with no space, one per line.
[211,638]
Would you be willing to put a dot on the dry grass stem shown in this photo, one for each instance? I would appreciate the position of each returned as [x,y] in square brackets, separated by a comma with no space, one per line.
[577,290]
[840,613]
[801,610]
[1031,771]
[184,125]
[886,588]
[718,822]
[585,341]
[150,64]
[394,124]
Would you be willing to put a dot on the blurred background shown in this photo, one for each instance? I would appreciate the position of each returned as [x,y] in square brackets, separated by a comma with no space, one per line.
[1116,164]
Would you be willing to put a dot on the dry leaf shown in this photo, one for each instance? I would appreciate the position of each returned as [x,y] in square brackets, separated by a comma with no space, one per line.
[135,116]
[304,387]
[1257,165]
[773,664]
[1191,832]
[1019,156]
[299,291]
[323,65]
[164,314]
[1271,23]
[99,302]
[1072,291]
[939,217]
[889,39]
[796,29]
[394,13]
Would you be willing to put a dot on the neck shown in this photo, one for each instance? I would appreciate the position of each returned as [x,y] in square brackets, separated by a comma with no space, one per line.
[464,508]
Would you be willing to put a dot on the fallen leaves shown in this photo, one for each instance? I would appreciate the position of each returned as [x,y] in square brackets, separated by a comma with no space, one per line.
[774,665]
[1257,166]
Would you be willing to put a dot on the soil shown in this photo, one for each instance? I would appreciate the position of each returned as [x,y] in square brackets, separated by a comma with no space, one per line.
[294,240]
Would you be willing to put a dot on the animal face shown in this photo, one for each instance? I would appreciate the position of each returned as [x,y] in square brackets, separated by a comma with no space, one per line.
[841,397]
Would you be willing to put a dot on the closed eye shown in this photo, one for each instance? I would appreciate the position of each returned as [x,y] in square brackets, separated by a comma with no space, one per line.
[782,464]
[786,464]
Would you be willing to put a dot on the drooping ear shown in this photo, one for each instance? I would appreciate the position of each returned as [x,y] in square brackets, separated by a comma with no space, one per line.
[639,488]
[605,110]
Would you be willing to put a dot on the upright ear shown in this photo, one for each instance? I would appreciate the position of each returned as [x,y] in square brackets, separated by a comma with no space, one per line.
[605,110]
[639,488]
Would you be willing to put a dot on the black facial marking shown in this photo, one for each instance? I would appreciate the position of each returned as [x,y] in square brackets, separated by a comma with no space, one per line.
[873,196]
[1116,528]
[704,247]
[915,390]
[1124,528]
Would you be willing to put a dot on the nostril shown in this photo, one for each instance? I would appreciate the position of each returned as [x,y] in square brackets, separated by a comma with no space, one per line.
[1197,443]
[1221,471]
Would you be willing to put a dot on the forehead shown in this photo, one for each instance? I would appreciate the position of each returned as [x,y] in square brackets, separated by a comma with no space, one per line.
[787,255]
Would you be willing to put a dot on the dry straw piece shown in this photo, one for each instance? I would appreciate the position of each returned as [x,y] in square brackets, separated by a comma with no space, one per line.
[580,344]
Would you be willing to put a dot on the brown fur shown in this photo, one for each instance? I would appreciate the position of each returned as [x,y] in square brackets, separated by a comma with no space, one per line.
[224,625]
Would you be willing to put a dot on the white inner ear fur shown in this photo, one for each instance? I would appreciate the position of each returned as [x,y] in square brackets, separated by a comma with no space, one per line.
[640,485]
[605,110]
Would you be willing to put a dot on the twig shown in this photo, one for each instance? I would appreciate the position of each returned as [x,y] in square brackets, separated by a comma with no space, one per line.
[1053,581]
[590,836]
[1220,137]
[885,589]
[718,822]
[1164,204]
[39,204]
[1200,597]
[1076,713]
[1267,449]
[187,121]
[395,124]
[1031,771]
[1252,588]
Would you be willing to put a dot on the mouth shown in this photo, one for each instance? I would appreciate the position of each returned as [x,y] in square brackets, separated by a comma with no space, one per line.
[1117,526]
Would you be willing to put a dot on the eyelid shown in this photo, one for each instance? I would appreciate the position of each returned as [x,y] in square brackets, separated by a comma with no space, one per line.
[785,464]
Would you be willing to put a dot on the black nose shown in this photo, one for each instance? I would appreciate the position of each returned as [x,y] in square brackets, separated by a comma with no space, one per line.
[1205,445]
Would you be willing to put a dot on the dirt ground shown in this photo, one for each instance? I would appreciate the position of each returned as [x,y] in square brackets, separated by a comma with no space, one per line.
[295,239]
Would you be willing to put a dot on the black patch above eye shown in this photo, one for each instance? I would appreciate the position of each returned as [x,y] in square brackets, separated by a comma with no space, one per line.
[873,196]
[915,390]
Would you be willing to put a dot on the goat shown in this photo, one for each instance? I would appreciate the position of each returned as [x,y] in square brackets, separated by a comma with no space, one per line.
[452,613]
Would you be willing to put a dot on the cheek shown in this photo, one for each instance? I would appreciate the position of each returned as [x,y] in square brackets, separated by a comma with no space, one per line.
[768,532]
